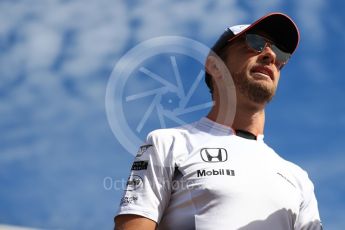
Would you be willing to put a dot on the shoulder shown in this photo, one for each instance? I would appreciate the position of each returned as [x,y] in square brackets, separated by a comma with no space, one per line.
[289,165]
[308,215]
[171,135]
[171,143]
[298,175]
[297,171]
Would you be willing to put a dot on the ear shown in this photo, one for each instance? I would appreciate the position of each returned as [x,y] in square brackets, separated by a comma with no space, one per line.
[213,67]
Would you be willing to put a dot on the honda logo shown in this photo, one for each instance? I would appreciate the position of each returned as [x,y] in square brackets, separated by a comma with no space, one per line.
[214,154]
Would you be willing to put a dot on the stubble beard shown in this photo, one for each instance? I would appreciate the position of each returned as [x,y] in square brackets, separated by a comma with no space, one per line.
[256,91]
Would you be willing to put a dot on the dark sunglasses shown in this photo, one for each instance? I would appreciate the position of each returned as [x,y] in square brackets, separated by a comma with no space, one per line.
[258,43]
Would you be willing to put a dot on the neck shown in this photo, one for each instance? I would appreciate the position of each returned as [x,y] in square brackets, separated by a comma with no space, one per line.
[250,120]
[248,117]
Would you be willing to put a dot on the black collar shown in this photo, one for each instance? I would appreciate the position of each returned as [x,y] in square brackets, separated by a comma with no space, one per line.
[245,134]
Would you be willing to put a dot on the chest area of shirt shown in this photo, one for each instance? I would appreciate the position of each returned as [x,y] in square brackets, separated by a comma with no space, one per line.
[231,176]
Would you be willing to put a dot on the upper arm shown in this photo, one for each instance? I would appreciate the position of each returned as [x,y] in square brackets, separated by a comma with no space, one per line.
[148,188]
[134,222]
[308,217]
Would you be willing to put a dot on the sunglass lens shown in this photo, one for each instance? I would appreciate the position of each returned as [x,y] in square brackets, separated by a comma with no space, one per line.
[256,42]
[281,55]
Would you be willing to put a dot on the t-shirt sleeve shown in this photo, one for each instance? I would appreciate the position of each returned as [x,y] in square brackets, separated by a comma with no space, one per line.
[148,187]
[308,218]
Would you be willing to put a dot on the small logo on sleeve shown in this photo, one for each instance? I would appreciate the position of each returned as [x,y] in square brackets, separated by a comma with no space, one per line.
[134,182]
[214,155]
[128,200]
[142,150]
[139,165]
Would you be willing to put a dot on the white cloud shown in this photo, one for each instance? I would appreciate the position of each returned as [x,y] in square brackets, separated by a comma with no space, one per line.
[98,29]
[41,47]
[309,14]
[259,8]
[36,35]
[12,227]
[202,19]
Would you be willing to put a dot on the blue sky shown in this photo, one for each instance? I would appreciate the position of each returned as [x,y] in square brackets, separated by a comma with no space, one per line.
[62,162]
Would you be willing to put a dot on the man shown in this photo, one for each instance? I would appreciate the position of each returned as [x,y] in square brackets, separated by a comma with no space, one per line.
[218,173]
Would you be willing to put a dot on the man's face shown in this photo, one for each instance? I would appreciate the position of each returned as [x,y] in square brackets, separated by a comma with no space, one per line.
[255,74]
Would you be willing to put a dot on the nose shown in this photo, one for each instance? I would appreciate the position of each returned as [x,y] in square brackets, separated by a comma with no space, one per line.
[267,56]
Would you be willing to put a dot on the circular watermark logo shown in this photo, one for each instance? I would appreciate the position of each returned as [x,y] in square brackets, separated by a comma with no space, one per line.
[158,84]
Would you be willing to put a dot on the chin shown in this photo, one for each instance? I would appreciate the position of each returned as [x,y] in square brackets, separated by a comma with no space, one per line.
[260,93]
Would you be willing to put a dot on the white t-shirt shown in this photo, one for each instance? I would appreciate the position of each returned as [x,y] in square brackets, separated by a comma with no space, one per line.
[203,176]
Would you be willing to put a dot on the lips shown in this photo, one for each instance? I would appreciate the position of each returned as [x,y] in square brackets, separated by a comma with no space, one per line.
[263,70]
